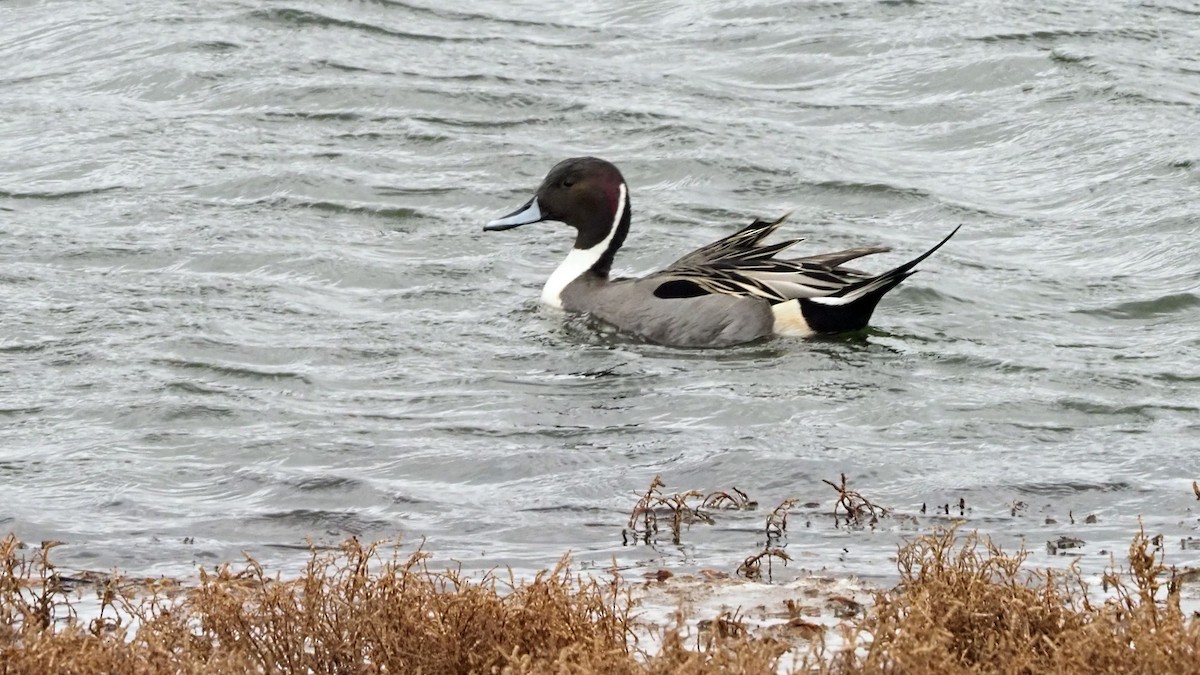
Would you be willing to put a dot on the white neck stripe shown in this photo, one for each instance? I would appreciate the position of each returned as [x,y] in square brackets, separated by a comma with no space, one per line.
[580,260]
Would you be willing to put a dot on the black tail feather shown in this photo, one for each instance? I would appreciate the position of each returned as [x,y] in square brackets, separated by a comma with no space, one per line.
[831,317]
[852,316]
[900,271]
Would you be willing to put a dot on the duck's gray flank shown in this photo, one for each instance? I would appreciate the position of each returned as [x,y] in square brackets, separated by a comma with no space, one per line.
[731,291]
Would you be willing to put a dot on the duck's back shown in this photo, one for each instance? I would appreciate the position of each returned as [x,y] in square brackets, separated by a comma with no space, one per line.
[702,321]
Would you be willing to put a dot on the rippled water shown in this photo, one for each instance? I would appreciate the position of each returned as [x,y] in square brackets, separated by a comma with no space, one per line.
[245,296]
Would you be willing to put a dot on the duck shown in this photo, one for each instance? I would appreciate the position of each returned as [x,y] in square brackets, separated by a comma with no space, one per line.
[729,292]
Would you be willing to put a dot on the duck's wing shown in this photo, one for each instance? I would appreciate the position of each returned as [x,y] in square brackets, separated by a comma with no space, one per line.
[746,243]
[772,280]
[818,276]
[837,258]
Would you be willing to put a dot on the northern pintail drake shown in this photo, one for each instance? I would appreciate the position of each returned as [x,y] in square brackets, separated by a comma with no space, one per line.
[729,292]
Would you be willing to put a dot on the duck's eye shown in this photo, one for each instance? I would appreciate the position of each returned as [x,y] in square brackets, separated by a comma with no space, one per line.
[567,182]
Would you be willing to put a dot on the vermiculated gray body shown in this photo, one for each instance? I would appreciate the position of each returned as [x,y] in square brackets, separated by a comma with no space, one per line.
[703,321]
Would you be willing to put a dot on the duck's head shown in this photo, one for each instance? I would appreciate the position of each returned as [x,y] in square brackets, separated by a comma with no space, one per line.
[587,193]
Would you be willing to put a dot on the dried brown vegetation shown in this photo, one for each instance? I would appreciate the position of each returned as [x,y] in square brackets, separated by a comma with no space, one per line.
[852,508]
[739,501]
[776,528]
[965,606]
[962,606]
[354,611]
[643,520]
[777,521]
[751,567]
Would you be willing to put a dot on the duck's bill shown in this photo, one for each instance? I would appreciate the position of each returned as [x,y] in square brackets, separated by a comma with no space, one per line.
[530,213]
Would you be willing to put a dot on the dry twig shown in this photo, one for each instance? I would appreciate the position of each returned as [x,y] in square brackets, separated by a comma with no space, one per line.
[853,507]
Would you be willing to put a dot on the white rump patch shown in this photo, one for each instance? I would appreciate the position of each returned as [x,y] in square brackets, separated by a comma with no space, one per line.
[580,260]
[789,320]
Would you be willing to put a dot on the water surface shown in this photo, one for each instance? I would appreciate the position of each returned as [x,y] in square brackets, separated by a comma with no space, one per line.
[246,297]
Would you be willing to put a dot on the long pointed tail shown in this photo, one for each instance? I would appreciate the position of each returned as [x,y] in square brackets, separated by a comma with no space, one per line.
[850,308]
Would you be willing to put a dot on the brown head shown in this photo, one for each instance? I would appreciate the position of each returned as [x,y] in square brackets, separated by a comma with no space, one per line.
[587,193]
